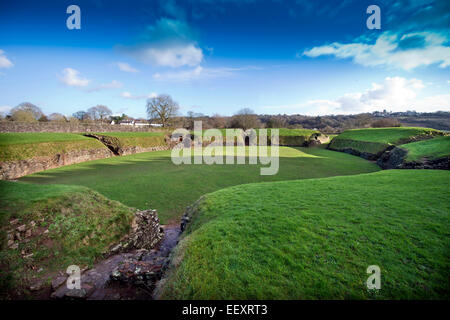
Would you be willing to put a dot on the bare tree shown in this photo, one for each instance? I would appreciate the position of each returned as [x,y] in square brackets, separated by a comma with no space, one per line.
[35,111]
[57,117]
[245,119]
[218,122]
[276,122]
[23,116]
[99,112]
[162,108]
[81,115]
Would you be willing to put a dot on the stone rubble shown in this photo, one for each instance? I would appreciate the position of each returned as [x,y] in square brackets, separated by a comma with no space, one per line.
[132,268]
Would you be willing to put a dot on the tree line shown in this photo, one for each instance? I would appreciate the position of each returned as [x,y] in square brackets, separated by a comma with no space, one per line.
[165,112]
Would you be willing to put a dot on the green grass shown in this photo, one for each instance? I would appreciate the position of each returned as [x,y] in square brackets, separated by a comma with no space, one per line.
[133,134]
[314,239]
[294,132]
[21,146]
[81,225]
[282,132]
[386,135]
[7,139]
[138,139]
[376,140]
[151,180]
[428,149]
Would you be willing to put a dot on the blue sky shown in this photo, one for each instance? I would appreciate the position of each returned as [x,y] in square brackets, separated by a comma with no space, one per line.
[277,56]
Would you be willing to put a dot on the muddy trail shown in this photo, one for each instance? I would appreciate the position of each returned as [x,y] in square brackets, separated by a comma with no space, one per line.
[125,276]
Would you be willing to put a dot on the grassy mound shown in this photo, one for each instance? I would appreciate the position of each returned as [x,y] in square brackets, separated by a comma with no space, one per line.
[138,139]
[68,225]
[151,180]
[314,239]
[21,146]
[372,142]
[428,149]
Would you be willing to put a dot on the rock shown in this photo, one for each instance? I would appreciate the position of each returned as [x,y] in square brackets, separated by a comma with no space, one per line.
[145,233]
[35,288]
[137,272]
[14,222]
[317,139]
[10,243]
[28,233]
[21,228]
[17,236]
[57,282]
[76,294]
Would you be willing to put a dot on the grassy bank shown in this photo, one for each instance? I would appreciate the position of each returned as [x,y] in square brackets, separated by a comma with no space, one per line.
[314,239]
[428,149]
[138,139]
[151,180]
[375,140]
[68,225]
[21,146]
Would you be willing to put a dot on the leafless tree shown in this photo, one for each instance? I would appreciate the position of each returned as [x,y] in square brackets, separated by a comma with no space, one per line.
[58,117]
[162,108]
[245,119]
[99,112]
[23,116]
[35,111]
[218,122]
[81,115]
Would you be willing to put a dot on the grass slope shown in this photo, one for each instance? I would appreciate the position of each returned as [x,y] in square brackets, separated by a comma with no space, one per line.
[151,180]
[81,224]
[376,140]
[428,149]
[138,139]
[21,146]
[314,239]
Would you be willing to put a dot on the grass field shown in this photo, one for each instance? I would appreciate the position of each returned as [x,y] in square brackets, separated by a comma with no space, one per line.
[133,134]
[376,140]
[138,139]
[386,135]
[21,146]
[7,139]
[314,239]
[151,180]
[428,149]
[81,225]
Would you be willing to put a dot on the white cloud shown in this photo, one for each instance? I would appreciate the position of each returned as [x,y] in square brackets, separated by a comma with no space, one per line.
[128,95]
[167,43]
[393,94]
[5,109]
[110,85]
[406,52]
[71,78]
[199,73]
[123,66]
[173,56]
[4,61]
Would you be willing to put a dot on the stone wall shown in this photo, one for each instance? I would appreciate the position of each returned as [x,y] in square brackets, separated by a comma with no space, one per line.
[15,169]
[12,126]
